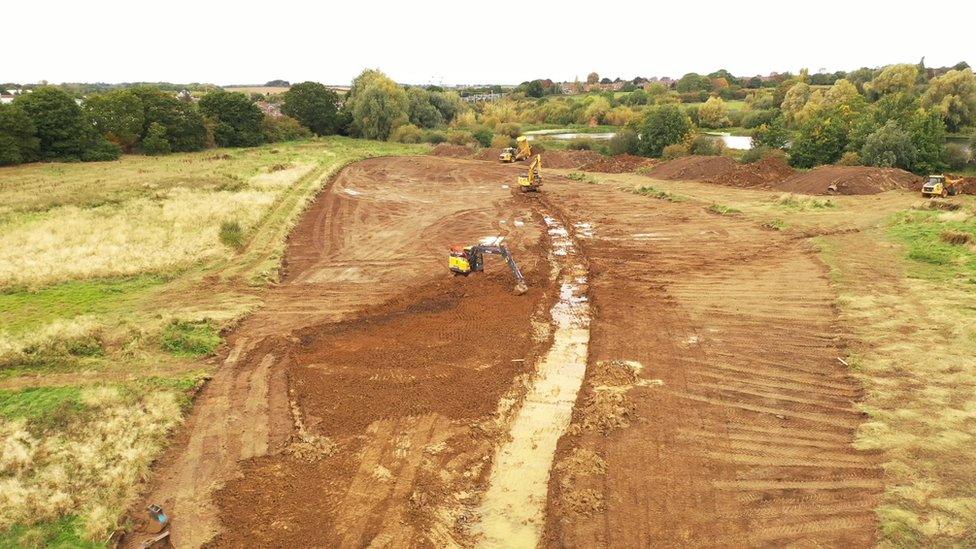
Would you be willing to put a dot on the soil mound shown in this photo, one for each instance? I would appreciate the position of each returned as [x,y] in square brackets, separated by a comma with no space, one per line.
[621,163]
[723,171]
[849,180]
[453,151]
[489,154]
[569,159]
[699,168]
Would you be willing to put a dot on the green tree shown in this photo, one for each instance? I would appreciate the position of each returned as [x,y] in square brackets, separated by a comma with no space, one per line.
[662,125]
[592,78]
[377,105]
[314,105]
[423,113]
[156,142]
[63,131]
[890,147]
[772,134]
[843,93]
[447,103]
[822,138]
[238,121]
[692,82]
[893,79]
[184,124]
[796,98]
[953,95]
[928,134]
[714,114]
[118,115]
[18,137]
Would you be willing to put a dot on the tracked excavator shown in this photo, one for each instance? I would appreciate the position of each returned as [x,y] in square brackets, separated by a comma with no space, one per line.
[532,180]
[464,260]
[520,151]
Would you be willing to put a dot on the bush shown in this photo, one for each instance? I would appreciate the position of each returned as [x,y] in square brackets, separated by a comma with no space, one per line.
[756,118]
[706,145]
[18,136]
[283,128]
[957,156]
[460,137]
[483,136]
[760,152]
[502,142]
[407,133]
[191,338]
[676,150]
[581,144]
[155,142]
[510,129]
[624,142]
[101,150]
[232,235]
[434,136]
[850,158]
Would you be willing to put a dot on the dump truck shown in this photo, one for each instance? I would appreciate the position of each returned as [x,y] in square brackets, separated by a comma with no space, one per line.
[942,186]
[520,151]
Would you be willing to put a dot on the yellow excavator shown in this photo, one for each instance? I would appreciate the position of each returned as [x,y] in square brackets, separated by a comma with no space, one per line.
[464,260]
[942,185]
[520,151]
[532,180]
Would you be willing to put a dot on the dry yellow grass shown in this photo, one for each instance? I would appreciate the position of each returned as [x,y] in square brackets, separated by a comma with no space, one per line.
[90,468]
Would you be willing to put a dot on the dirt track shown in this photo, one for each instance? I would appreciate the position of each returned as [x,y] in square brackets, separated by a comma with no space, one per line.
[365,403]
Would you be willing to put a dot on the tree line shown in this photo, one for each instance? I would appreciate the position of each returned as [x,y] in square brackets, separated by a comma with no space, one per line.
[50,124]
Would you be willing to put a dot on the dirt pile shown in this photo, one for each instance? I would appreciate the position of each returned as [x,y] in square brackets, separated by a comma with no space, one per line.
[849,180]
[490,154]
[621,163]
[569,159]
[453,151]
[723,171]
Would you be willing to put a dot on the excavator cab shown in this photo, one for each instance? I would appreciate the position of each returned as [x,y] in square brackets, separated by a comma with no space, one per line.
[459,261]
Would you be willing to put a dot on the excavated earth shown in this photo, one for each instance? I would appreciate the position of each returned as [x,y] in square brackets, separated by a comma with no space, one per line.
[366,403]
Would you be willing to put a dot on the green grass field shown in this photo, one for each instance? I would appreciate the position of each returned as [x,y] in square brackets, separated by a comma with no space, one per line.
[115,279]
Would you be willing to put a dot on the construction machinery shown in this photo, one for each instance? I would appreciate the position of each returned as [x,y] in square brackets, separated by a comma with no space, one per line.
[941,185]
[520,151]
[533,180]
[464,260]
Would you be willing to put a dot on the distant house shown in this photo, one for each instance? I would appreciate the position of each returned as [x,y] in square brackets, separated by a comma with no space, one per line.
[270,109]
[6,98]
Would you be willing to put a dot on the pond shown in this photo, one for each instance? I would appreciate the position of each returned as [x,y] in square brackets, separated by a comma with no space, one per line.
[736,142]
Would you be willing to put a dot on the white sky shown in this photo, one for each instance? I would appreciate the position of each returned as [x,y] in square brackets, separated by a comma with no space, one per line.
[458,42]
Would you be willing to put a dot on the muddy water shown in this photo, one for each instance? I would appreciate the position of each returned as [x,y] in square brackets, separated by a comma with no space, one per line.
[511,512]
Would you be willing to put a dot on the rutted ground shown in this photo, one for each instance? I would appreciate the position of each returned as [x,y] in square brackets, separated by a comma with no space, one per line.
[715,410]
[369,400]
[370,353]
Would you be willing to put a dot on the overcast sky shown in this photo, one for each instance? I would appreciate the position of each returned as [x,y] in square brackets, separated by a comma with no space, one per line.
[458,42]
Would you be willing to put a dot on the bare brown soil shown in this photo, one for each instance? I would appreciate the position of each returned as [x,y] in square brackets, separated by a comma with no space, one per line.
[370,354]
[453,151]
[569,159]
[621,163]
[723,171]
[849,180]
[714,411]
[364,403]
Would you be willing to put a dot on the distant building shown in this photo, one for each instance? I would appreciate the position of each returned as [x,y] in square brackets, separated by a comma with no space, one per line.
[6,98]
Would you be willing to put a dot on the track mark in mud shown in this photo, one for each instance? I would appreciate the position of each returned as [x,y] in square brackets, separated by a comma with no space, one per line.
[512,510]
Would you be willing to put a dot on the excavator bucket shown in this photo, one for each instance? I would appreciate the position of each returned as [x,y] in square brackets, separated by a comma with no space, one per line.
[521,288]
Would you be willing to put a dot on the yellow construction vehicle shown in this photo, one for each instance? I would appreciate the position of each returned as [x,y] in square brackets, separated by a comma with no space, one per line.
[521,151]
[533,180]
[941,185]
[464,260]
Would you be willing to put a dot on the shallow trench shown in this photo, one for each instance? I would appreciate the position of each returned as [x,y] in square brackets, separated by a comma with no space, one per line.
[511,513]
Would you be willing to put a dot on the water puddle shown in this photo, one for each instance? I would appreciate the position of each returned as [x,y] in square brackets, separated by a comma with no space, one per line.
[512,512]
